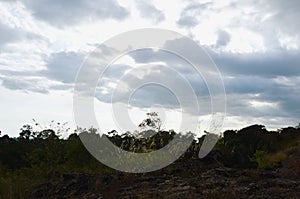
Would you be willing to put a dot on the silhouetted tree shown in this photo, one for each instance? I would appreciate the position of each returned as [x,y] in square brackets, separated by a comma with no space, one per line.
[26,132]
[47,134]
[152,121]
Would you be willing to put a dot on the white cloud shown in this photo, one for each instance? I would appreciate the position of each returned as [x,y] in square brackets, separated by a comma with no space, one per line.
[148,10]
[24,85]
[12,35]
[64,13]
[255,45]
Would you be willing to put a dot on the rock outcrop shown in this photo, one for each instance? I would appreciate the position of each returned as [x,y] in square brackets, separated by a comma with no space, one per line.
[189,179]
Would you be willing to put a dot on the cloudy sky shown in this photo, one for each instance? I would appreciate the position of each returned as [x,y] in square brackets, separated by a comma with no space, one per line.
[255,45]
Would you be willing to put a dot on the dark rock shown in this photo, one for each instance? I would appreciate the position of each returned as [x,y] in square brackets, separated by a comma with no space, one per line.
[179,180]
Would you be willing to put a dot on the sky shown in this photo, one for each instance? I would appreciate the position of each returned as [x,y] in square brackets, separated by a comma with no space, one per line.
[254,44]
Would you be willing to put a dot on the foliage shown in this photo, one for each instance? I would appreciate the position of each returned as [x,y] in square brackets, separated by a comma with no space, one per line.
[34,156]
[153,122]
[261,158]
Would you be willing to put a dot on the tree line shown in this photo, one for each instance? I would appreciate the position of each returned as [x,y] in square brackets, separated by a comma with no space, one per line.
[35,155]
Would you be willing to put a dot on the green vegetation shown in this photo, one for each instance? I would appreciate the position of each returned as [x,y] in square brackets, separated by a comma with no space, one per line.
[36,156]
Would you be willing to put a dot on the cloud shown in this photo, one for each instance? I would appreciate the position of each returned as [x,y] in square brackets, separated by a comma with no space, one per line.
[8,35]
[253,88]
[191,14]
[258,96]
[273,63]
[274,21]
[257,84]
[160,67]
[279,14]
[63,66]
[149,85]
[33,85]
[223,38]
[267,79]
[148,10]
[59,71]
[262,85]
[12,35]
[64,13]
[187,21]
[59,74]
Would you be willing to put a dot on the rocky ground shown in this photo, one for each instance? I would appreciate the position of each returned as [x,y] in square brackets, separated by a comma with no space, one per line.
[185,179]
